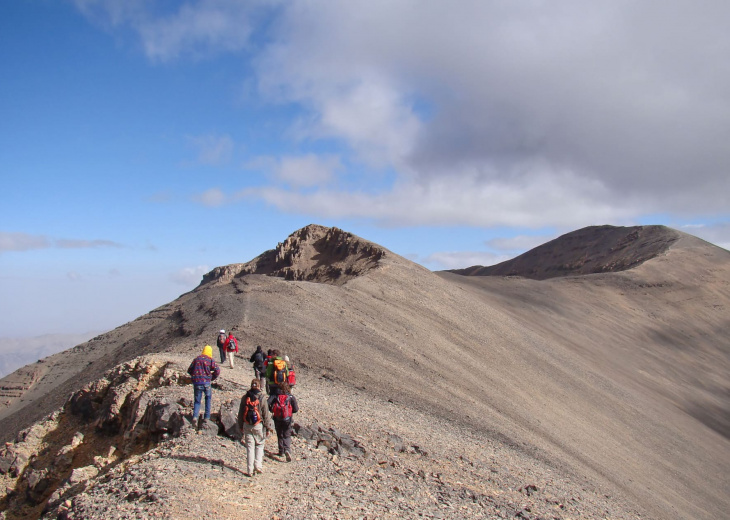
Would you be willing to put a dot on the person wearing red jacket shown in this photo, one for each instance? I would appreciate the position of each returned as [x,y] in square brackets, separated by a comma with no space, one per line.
[231,347]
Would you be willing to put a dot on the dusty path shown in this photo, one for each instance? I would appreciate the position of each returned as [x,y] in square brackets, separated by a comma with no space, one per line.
[415,465]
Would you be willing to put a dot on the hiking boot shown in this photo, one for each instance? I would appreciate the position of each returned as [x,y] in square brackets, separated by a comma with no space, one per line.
[287,455]
[258,471]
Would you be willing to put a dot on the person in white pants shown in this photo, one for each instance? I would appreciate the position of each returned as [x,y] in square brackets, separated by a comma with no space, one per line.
[231,346]
[255,422]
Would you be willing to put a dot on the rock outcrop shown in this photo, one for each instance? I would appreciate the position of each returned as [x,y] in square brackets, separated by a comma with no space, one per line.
[313,253]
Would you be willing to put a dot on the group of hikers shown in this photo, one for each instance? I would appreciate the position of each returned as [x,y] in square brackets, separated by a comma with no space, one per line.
[258,415]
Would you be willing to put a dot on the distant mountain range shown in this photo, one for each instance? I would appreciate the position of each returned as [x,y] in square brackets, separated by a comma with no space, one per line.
[18,352]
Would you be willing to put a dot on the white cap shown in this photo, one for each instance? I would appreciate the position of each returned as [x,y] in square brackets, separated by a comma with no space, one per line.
[286,358]
[222,331]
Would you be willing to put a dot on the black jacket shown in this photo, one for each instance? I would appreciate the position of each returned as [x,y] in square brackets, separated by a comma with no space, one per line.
[257,358]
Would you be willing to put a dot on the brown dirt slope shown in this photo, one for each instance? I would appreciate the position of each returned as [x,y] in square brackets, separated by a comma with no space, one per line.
[616,380]
[594,249]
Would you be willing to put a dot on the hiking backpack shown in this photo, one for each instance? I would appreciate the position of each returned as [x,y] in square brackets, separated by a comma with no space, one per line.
[258,359]
[281,372]
[292,378]
[281,407]
[251,414]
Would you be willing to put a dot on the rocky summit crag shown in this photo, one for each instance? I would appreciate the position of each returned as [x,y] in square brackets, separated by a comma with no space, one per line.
[422,395]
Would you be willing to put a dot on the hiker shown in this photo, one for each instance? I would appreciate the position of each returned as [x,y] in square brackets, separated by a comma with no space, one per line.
[222,344]
[291,377]
[231,346]
[269,357]
[254,421]
[276,372]
[203,370]
[282,406]
[257,358]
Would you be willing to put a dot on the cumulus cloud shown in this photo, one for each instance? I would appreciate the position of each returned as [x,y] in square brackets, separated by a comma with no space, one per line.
[212,150]
[168,31]
[470,201]
[213,197]
[488,113]
[299,171]
[189,276]
[627,96]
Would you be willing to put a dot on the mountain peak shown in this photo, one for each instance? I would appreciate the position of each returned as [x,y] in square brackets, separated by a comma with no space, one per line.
[593,249]
[313,253]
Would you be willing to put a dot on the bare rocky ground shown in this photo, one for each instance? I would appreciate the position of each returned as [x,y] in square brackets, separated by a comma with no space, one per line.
[401,462]
[604,393]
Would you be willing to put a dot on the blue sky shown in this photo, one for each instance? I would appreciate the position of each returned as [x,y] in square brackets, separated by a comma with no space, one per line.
[145,143]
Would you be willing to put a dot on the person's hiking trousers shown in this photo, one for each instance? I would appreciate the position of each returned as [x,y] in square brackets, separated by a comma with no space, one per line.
[283,435]
[254,438]
[198,392]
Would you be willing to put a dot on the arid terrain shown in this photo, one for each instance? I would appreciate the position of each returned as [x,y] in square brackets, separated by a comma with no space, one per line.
[587,378]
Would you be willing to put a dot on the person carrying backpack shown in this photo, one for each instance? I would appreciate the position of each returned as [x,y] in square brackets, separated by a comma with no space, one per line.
[257,358]
[231,347]
[269,357]
[282,406]
[292,376]
[202,371]
[222,344]
[277,372]
[254,421]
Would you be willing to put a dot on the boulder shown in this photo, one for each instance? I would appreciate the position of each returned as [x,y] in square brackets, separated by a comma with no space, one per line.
[162,416]
[79,475]
[229,419]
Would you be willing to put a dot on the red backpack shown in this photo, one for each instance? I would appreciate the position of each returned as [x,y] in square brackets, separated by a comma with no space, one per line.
[282,408]
[292,378]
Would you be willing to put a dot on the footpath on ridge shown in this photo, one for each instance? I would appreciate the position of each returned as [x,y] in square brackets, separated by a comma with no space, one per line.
[355,456]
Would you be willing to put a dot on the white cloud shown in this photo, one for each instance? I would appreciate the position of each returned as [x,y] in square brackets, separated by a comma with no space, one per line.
[625,95]
[26,242]
[213,197]
[307,170]
[189,276]
[463,259]
[168,31]
[22,242]
[85,244]
[717,233]
[212,150]
[519,243]
[460,100]
[539,199]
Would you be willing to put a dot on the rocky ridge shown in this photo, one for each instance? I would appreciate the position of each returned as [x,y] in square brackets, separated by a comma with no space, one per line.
[313,253]
[123,447]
